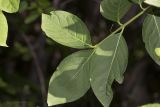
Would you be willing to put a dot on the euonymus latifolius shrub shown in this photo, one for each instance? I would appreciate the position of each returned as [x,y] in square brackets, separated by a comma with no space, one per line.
[9,6]
[96,66]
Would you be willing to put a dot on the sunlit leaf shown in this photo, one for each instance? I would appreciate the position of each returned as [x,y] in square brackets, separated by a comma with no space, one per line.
[155,3]
[66,29]
[157,51]
[3,29]
[9,6]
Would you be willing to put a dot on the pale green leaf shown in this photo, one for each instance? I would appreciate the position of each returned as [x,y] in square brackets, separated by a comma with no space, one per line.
[9,6]
[3,29]
[71,79]
[66,29]
[114,10]
[155,3]
[151,36]
[151,105]
[108,63]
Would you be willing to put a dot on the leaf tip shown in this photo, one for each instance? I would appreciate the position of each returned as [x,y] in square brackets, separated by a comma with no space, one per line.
[53,100]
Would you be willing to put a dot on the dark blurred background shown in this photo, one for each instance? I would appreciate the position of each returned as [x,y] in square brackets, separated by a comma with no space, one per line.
[27,65]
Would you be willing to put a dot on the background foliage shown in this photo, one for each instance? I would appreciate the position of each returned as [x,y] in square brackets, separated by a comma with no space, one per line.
[27,65]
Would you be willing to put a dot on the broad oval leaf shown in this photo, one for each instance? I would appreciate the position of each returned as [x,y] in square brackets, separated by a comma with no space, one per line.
[3,29]
[114,10]
[71,79]
[155,3]
[151,36]
[108,63]
[66,29]
[9,6]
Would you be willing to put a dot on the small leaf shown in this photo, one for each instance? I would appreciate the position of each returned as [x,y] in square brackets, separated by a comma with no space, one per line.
[114,10]
[23,6]
[71,79]
[9,6]
[108,63]
[66,29]
[151,105]
[151,36]
[43,4]
[32,17]
[3,30]
[155,3]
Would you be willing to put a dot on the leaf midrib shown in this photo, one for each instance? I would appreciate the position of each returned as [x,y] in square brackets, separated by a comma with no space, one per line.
[156,25]
[114,55]
[71,35]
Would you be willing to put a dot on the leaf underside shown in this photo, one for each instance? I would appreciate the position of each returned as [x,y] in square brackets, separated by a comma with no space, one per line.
[113,64]
[155,3]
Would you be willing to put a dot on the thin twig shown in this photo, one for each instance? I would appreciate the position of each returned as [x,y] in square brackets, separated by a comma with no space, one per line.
[39,71]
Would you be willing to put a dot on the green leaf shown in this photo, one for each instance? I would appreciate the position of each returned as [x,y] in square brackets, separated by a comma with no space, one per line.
[66,29]
[155,3]
[9,6]
[108,63]
[114,10]
[43,3]
[32,17]
[151,105]
[138,1]
[23,6]
[3,29]
[71,79]
[151,36]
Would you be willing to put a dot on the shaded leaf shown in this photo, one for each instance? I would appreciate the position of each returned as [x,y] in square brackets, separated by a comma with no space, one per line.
[138,1]
[108,63]
[23,6]
[32,17]
[151,36]
[3,29]
[71,79]
[114,10]
[66,29]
